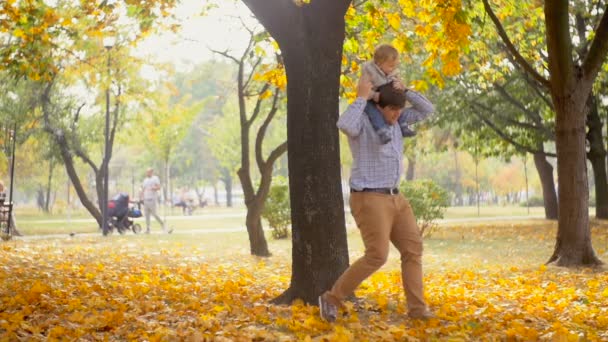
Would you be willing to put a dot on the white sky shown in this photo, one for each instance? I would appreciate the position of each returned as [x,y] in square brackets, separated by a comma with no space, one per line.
[219,30]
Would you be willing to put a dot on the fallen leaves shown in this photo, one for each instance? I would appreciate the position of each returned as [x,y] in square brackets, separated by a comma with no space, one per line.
[122,289]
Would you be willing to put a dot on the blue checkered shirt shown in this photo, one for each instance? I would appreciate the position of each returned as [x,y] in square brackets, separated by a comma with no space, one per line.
[376,165]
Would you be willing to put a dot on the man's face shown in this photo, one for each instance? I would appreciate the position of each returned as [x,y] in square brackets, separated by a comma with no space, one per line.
[390,113]
[149,173]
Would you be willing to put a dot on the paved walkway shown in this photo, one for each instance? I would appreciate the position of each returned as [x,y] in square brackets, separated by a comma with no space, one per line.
[174,218]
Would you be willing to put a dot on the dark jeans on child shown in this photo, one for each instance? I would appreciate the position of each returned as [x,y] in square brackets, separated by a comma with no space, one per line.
[381,127]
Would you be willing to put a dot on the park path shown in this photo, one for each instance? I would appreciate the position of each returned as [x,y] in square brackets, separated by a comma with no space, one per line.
[174,218]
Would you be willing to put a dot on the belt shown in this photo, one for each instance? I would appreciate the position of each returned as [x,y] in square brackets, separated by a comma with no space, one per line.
[387,191]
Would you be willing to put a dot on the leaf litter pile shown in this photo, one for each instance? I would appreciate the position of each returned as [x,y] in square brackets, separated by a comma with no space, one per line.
[172,289]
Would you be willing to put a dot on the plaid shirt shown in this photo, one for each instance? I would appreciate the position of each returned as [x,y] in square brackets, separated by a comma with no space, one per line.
[376,165]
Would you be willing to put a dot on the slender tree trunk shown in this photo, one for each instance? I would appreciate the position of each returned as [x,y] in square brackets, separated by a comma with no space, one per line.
[597,157]
[215,196]
[545,174]
[457,176]
[255,204]
[47,201]
[227,179]
[411,168]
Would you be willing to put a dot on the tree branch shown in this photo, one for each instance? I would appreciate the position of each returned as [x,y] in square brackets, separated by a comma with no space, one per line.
[258,104]
[259,139]
[598,50]
[559,44]
[502,134]
[511,48]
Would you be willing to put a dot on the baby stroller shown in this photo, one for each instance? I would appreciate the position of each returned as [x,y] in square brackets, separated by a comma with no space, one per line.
[120,213]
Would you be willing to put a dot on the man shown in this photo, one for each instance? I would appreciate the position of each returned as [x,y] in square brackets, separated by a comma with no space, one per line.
[149,194]
[381,213]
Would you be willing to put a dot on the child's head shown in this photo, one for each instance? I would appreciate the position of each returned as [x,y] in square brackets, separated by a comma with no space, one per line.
[386,58]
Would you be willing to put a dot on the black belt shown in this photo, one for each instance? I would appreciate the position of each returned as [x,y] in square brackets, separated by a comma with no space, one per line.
[387,191]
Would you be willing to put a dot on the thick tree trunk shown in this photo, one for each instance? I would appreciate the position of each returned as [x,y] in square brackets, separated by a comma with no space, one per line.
[545,174]
[573,246]
[411,168]
[310,37]
[597,157]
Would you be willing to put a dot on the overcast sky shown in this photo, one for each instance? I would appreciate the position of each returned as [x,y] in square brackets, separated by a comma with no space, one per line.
[219,30]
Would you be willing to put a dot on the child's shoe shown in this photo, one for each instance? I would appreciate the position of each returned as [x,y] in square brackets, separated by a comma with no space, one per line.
[384,133]
[406,132]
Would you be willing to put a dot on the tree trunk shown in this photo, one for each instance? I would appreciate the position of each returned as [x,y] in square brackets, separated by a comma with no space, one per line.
[227,179]
[47,201]
[573,246]
[255,204]
[310,37]
[68,161]
[411,168]
[597,157]
[545,173]
[257,240]
[457,175]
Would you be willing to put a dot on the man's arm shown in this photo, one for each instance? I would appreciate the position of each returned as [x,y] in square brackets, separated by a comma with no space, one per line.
[422,108]
[351,121]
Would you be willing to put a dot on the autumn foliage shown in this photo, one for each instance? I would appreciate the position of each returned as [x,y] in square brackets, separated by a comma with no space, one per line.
[484,283]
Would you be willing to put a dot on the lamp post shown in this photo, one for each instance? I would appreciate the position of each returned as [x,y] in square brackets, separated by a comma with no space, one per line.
[108,43]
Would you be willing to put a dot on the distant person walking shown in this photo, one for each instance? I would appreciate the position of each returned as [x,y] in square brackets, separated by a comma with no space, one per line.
[149,195]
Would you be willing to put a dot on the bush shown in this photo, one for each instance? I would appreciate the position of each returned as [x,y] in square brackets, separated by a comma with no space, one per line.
[277,210]
[535,201]
[428,201]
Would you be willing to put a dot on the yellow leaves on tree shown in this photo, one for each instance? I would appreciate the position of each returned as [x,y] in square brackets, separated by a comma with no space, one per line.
[435,31]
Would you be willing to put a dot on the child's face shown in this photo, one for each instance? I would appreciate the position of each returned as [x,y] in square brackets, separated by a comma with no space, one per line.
[389,65]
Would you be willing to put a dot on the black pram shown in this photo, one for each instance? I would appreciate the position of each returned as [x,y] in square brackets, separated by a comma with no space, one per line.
[120,213]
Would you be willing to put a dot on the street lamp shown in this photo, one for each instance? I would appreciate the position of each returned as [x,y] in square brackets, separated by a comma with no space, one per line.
[108,43]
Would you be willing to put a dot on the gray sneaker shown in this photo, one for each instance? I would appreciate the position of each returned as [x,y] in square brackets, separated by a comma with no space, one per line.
[327,310]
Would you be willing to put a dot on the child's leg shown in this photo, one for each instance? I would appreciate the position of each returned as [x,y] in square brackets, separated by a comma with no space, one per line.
[377,121]
[406,132]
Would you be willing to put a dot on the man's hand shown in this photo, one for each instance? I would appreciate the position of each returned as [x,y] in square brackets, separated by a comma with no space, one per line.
[364,87]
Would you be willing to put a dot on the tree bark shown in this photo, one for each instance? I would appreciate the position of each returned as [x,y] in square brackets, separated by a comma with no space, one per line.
[573,246]
[545,174]
[227,179]
[411,168]
[310,37]
[597,157]
[47,201]
[570,87]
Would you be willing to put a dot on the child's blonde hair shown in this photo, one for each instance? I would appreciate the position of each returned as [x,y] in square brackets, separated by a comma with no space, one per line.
[385,52]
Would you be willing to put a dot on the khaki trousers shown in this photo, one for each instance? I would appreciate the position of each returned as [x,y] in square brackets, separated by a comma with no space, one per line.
[382,218]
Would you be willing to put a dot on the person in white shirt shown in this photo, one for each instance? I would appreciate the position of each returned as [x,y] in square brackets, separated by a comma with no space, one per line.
[149,195]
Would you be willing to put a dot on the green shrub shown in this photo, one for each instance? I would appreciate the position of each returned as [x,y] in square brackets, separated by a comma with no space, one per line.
[535,201]
[277,210]
[428,201]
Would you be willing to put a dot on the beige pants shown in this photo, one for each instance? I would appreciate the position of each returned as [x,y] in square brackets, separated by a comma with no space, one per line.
[382,218]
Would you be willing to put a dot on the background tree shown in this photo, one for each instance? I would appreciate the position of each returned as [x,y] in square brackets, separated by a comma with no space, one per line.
[570,83]
[266,94]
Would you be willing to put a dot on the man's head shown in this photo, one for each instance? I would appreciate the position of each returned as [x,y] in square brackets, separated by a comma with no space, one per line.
[386,58]
[391,102]
[149,172]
